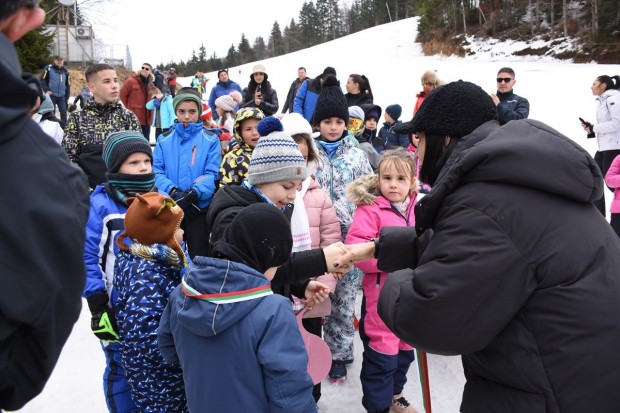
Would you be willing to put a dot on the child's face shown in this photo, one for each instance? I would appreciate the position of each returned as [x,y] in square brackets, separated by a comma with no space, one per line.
[187,112]
[388,118]
[249,133]
[370,124]
[281,193]
[104,86]
[331,129]
[136,163]
[303,148]
[395,185]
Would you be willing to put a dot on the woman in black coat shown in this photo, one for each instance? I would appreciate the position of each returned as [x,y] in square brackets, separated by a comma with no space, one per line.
[259,94]
[511,265]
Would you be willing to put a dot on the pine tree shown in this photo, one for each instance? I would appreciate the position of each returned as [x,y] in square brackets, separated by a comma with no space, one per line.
[34,50]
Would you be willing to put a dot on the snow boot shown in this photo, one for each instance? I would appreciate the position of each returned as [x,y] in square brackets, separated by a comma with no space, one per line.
[338,372]
[401,405]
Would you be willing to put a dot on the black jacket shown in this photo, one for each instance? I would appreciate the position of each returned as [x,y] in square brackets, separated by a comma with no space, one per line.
[228,201]
[521,275]
[44,208]
[269,102]
[358,99]
[290,96]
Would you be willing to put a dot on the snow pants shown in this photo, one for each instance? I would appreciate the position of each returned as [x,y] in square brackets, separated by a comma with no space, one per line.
[115,385]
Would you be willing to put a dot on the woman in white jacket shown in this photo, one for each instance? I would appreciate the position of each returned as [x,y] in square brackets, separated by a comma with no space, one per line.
[607,127]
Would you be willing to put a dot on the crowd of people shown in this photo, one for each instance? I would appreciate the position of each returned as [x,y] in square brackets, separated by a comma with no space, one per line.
[470,230]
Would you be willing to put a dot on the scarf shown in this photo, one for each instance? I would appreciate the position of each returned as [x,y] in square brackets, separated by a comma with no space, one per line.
[300,227]
[330,147]
[159,253]
[245,184]
[402,206]
[122,186]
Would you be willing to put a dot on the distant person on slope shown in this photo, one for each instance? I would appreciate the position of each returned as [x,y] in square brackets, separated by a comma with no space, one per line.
[292,92]
[308,93]
[224,86]
[509,105]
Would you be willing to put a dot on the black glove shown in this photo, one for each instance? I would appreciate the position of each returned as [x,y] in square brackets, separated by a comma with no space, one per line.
[103,321]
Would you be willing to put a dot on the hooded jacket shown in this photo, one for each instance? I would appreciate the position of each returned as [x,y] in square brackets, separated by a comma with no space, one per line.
[519,275]
[607,126]
[44,210]
[221,89]
[245,338]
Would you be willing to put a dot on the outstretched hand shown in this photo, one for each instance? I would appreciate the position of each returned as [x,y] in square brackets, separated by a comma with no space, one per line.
[355,253]
[334,265]
[316,292]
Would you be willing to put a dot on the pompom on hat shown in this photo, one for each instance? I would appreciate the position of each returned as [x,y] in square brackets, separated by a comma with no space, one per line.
[276,157]
[331,102]
[454,109]
[236,95]
[119,145]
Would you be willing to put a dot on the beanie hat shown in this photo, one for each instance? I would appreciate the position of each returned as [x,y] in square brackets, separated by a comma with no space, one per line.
[153,218]
[258,246]
[236,95]
[295,124]
[454,110]
[180,98]
[328,71]
[119,145]
[46,105]
[276,157]
[430,76]
[258,69]
[394,111]
[206,112]
[331,102]
[226,103]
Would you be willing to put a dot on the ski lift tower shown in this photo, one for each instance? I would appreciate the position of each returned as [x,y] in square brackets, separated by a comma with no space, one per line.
[71,41]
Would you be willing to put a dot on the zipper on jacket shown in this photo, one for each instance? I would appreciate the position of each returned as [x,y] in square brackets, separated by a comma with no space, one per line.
[398,212]
[194,154]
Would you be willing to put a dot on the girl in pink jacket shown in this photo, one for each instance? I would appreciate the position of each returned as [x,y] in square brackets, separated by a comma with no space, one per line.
[612,179]
[386,199]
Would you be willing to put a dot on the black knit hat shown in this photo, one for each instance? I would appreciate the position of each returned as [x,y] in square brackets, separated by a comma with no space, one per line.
[331,102]
[328,71]
[119,145]
[454,110]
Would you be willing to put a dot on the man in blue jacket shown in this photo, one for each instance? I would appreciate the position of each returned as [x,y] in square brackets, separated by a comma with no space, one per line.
[56,83]
[509,105]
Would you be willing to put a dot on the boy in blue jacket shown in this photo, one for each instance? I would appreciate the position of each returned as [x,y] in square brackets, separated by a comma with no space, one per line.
[186,162]
[127,155]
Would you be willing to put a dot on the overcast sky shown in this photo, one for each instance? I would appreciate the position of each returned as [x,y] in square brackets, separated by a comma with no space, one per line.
[158,30]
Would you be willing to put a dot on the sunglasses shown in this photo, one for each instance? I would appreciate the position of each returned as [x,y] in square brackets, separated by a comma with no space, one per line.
[504,79]
[146,68]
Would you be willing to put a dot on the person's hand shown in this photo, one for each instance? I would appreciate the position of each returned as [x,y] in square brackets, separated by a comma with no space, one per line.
[188,203]
[49,93]
[103,321]
[332,254]
[316,292]
[356,253]
[494,98]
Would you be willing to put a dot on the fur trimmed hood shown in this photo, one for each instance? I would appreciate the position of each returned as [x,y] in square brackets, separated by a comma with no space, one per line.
[364,190]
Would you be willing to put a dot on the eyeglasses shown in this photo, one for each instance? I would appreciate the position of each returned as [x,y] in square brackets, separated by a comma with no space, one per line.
[504,79]
[146,68]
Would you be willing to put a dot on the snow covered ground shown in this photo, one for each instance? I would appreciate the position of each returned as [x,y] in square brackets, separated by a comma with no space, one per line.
[559,93]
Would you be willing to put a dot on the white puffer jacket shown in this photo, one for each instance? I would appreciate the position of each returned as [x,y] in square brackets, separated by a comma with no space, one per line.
[607,126]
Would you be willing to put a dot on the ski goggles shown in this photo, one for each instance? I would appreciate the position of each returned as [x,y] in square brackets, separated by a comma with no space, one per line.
[355,125]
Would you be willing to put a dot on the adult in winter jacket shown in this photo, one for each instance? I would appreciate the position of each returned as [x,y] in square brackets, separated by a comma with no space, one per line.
[358,90]
[134,95]
[292,91]
[56,83]
[308,93]
[511,265]
[224,86]
[607,127]
[509,105]
[44,211]
[259,93]
[88,128]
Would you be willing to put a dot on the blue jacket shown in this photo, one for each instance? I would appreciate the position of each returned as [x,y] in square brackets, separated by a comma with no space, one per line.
[221,89]
[106,220]
[56,80]
[188,158]
[143,286]
[226,348]
[306,98]
[511,107]
[166,112]
[391,139]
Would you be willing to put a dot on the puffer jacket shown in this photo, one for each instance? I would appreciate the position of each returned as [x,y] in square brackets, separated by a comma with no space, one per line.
[612,179]
[269,104]
[221,89]
[306,97]
[188,158]
[607,126]
[134,94]
[235,165]
[390,138]
[322,219]
[519,275]
[249,341]
[373,213]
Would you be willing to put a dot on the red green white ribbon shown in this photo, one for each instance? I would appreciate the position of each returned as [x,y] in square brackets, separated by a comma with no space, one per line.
[227,298]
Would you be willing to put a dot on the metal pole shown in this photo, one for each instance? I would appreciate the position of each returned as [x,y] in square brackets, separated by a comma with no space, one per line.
[388,9]
[75,14]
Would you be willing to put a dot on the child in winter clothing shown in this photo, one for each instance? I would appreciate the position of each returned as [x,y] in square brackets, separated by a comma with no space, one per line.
[340,163]
[237,342]
[88,128]
[385,199]
[387,135]
[148,267]
[372,114]
[612,179]
[127,155]
[236,162]
[48,121]
[161,104]
[356,127]
[186,160]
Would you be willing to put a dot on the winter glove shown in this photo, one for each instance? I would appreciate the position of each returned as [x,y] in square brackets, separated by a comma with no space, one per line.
[103,321]
[187,200]
[156,102]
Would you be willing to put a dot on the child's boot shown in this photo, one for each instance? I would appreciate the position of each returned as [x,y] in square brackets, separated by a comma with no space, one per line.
[401,405]
[338,372]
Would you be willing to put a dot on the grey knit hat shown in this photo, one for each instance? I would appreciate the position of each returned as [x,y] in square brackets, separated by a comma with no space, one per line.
[119,145]
[276,157]
[180,98]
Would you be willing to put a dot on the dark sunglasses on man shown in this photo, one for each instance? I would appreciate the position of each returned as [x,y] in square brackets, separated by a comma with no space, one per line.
[504,79]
